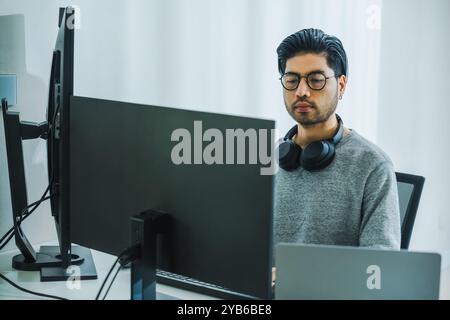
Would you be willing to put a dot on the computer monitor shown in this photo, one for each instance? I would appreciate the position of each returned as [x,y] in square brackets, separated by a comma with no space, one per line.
[53,261]
[122,164]
[60,90]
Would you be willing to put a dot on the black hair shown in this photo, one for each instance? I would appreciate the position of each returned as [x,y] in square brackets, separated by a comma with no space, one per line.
[313,41]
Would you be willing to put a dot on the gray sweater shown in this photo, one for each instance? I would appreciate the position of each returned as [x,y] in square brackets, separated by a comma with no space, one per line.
[352,202]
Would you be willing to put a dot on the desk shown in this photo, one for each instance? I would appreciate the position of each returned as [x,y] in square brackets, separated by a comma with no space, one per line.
[120,290]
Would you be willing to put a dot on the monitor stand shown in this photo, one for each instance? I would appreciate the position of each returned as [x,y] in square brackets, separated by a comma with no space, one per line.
[144,230]
[49,264]
[46,259]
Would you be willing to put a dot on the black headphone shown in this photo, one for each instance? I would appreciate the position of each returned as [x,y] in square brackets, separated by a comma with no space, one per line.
[316,156]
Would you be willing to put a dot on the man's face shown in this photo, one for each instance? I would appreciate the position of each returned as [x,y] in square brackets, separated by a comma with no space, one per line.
[308,106]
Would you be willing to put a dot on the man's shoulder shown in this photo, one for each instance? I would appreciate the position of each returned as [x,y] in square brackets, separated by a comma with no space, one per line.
[365,150]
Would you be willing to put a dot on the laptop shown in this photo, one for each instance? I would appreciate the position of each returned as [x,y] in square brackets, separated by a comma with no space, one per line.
[355,273]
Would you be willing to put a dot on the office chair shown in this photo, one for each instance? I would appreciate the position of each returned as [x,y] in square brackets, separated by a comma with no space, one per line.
[409,192]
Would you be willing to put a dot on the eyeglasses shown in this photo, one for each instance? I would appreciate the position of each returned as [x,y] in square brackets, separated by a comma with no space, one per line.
[315,80]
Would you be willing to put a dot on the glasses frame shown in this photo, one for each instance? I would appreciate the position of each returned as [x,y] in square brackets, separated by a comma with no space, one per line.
[306,78]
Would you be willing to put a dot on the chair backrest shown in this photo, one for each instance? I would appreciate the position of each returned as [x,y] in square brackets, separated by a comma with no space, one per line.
[409,192]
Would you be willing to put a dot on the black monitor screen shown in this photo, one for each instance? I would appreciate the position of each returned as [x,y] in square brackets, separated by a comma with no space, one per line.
[122,164]
[60,90]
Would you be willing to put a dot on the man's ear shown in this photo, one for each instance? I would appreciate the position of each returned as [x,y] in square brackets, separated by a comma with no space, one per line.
[342,84]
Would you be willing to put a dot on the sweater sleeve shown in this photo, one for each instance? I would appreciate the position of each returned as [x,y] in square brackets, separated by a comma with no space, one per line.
[380,224]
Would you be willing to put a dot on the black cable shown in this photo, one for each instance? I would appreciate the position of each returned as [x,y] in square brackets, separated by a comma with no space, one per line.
[23,216]
[37,203]
[29,291]
[6,234]
[130,254]
[7,240]
[42,199]
[106,279]
[10,234]
[112,281]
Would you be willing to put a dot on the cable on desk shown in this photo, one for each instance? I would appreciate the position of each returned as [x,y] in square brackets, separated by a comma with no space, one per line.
[29,291]
[106,279]
[112,281]
[130,254]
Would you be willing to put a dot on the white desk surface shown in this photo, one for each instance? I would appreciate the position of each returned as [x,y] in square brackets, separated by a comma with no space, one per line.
[89,288]
[120,290]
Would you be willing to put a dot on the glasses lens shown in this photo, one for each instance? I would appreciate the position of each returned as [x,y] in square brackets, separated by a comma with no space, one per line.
[290,81]
[316,81]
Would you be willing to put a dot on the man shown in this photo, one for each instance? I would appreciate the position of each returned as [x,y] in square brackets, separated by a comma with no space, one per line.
[353,199]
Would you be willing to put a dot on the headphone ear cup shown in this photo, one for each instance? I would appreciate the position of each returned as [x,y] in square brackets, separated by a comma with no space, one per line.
[317,155]
[289,155]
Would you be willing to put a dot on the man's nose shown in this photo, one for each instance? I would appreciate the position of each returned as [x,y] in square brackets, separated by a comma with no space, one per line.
[303,89]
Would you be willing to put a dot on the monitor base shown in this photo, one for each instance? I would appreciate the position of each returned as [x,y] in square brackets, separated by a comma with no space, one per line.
[50,265]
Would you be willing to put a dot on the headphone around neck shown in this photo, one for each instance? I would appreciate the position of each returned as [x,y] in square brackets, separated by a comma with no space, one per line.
[316,156]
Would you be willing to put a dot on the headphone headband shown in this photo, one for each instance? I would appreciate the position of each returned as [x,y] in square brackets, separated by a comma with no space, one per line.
[340,132]
[335,140]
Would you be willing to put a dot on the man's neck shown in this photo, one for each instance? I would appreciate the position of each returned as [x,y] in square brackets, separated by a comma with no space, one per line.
[320,131]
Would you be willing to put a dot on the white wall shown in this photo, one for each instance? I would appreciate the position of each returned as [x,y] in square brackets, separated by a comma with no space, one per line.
[34,34]
[21,34]
[220,56]
[414,108]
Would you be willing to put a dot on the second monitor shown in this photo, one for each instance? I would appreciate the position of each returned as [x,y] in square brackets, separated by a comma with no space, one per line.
[128,158]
